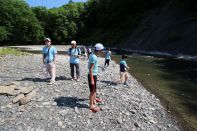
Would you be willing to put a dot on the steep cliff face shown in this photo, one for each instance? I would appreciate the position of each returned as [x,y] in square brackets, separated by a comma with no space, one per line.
[168,29]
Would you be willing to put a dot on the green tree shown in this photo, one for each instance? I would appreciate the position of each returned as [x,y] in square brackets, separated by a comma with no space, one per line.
[20,23]
[70,1]
[3,33]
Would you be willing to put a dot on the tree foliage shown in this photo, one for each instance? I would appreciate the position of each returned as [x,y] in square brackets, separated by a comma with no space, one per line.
[18,23]
[96,20]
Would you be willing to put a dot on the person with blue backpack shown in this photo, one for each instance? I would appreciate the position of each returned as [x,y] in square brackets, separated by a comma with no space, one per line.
[74,52]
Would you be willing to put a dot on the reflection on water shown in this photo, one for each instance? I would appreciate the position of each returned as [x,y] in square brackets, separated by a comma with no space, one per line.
[174,81]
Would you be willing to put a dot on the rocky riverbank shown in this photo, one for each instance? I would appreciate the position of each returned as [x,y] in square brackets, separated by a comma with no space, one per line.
[64,106]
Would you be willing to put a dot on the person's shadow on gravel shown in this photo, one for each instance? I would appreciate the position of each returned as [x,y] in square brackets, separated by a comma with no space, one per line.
[71,102]
[109,82]
[35,79]
[60,78]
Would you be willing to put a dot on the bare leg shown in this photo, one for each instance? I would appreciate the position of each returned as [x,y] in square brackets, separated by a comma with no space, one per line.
[52,71]
[126,77]
[92,99]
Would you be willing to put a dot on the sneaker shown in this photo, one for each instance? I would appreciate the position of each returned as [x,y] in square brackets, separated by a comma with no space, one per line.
[72,79]
[125,84]
[77,80]
[51,82]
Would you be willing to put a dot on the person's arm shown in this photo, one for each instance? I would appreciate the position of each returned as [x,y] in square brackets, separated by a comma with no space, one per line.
[43,58]
[79,53]
[55,56]
[69,52]
[91,74]
[43,55]
[127,66]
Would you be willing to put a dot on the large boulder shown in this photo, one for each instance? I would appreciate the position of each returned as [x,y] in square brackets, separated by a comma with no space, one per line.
[28,97]
[8,90]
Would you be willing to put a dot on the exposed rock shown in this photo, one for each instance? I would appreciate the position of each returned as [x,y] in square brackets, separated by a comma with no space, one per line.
[76,110]
[66,104]
[6,90]
[17,83]
[32,94]
[54,103]
[46,103]
[26,90]
[24,100]
[18,98]
[9,105]
[137,124]
[60,123]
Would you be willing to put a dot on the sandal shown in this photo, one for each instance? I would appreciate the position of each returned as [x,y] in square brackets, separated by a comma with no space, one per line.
[95,109]
[98,100]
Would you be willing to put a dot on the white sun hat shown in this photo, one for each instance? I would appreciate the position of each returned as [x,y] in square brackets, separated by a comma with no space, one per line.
[99,46]
[47,39]
[73,42]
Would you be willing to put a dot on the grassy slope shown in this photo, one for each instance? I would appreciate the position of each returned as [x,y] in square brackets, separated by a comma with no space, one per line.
[10,51]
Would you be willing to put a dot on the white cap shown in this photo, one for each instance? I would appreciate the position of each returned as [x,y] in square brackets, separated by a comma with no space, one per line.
[73,42]
[99,46]
[47,39]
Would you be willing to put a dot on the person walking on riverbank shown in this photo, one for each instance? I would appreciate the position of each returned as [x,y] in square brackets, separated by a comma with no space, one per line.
[89,51]
[49,59]
[107,57]
[92,77]
[123,71]
[74,52]
[84,53]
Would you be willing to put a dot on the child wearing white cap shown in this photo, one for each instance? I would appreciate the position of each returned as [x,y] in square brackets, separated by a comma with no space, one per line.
[92,77]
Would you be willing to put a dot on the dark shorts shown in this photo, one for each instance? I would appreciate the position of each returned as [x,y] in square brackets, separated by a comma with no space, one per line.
[92,87]
[107,61]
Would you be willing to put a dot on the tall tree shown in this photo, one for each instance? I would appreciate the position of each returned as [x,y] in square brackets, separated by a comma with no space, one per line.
[70,1]
[19,23]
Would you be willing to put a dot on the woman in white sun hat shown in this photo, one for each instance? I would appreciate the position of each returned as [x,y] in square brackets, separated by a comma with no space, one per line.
[74,52]
[92,77]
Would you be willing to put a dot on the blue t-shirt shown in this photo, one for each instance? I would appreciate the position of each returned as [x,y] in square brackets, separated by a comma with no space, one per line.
[74,52]
[49,53]
[93,60]
[108,55]
[123,66]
